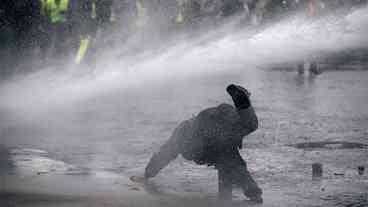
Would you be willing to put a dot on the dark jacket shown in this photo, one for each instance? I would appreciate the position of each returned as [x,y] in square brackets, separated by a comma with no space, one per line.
[202,139]
[215,130]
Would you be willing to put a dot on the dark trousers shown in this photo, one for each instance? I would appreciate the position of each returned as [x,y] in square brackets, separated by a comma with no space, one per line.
[60,40]
[55,42]
[233,170]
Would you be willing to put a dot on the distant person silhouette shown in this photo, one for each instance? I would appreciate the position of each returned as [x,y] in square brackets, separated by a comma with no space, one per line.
[214,137]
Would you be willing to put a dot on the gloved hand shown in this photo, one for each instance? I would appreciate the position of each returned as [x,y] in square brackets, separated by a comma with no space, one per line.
[239,95]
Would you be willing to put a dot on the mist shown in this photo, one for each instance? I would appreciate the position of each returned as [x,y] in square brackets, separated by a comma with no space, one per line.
[288,41]
[82,130]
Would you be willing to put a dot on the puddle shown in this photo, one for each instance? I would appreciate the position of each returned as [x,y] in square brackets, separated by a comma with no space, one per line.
[331,145]
[38,162]
[27,151]
[348,199]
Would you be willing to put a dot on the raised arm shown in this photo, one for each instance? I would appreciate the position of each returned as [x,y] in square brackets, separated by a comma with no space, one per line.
[248,121]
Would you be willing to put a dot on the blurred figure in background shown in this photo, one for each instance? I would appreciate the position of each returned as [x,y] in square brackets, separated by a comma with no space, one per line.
[84,26]
[231,8]
[7,37]
[271,11]
[211,13]
[56,23]
[19,28]
[163,16]
[104,20]
[313,9]
[188,16]
[252,8]
[123,15]
[141,14]
[92,18]
[360,3]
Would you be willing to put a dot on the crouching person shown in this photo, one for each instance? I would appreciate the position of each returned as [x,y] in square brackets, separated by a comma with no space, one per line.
[214,137]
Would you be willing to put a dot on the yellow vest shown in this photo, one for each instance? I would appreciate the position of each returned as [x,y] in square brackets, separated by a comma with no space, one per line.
[94,14]
[180,17]
[141,13]
[43,6]
[56,12]
[141,10]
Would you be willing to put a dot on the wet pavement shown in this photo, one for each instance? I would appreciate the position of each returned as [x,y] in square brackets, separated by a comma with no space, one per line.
[112,136]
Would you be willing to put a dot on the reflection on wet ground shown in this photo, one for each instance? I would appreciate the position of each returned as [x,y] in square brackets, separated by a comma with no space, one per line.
[6,164]
[349,200]
[330,145]
[38,162]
